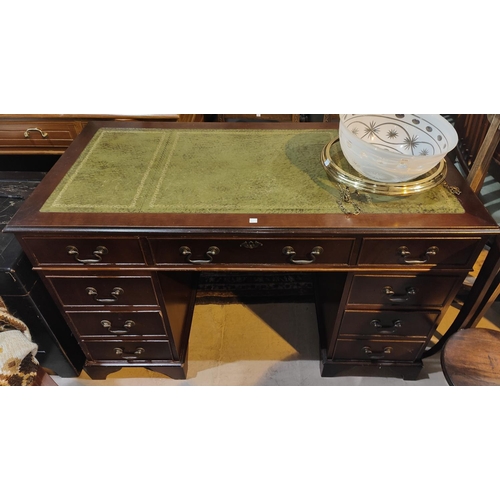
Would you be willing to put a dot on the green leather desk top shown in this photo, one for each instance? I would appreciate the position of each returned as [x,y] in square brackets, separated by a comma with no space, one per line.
[217,171]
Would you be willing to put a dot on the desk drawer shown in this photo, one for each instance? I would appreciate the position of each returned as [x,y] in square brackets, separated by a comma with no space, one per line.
[86,251]
[104,291]
[387,323]
[421,252]
[377,350]
[107,324]
[37,135]
[408,290]
[129,351]
[251,251]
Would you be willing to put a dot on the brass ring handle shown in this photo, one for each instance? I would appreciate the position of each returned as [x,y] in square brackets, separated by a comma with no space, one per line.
[35,129]
[129,356]
[127,325]
[98,253]
[399,298]
[186,251]
[377,355]
[115,293]
[290,253]
[405,253]
[386,329]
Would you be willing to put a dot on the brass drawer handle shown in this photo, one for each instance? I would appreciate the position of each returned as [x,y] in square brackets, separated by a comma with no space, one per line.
[186,251]
[127,326]
[386,330]
[115,293]
[291,253]
[405,253]
[35,129]
[129,356]
[98,253]
[399,298]
[377,355]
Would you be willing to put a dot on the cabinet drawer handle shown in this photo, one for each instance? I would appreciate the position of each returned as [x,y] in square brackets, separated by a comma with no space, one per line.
[405,253]
[98,253]
[380,327]
[291,253]
[399,298]
[35,129]
[377,355]
[186,251]
[127,326]
[129,356]
[115,293]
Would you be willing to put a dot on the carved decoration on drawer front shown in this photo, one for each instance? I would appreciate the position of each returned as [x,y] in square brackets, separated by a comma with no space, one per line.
[251,244]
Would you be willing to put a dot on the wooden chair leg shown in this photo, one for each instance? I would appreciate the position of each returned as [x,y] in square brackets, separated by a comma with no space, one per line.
[490,297]
[485,290]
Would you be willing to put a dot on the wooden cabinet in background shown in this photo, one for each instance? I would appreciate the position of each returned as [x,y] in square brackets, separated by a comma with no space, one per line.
[271,118]
[52,134]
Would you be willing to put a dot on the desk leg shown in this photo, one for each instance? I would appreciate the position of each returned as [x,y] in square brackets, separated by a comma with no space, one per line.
[174,372]
[100,372]
[480,293]
[407,371]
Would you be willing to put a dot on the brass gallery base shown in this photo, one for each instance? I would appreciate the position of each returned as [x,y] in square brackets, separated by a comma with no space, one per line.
[407,371]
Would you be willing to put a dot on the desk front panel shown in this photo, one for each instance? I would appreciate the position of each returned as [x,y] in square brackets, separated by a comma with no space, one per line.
[258,250]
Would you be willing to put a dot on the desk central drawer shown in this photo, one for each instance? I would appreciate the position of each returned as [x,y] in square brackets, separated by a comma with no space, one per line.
[251,251]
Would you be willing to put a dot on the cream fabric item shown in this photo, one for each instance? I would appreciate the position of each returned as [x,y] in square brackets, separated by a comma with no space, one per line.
[15,344]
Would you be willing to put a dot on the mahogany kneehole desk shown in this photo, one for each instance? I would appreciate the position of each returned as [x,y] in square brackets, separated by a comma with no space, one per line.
[126,220]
